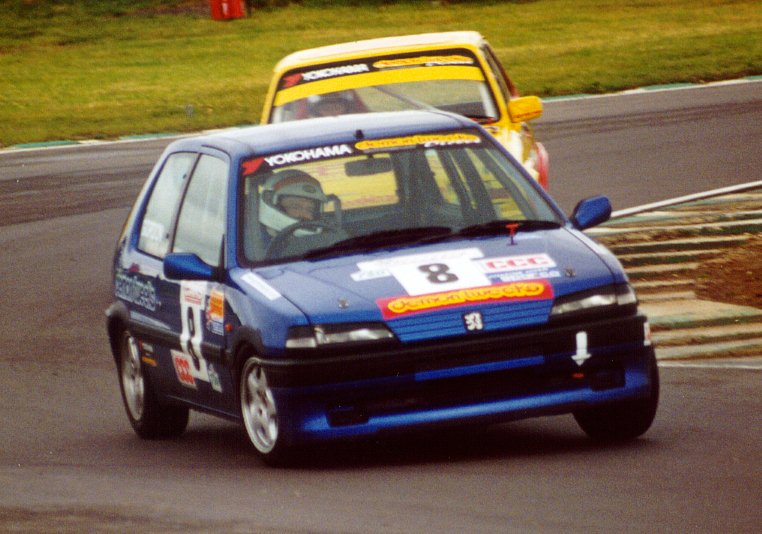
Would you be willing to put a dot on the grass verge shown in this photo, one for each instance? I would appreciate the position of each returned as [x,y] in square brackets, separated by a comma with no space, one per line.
[74,69]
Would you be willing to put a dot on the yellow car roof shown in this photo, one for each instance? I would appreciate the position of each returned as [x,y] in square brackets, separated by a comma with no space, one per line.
[371,47]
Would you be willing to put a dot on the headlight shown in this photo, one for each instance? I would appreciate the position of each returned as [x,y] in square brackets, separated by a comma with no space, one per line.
[620,295]
[310,337]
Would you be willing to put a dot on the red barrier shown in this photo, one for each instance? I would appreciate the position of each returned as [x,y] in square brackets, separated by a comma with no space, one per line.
[227,9]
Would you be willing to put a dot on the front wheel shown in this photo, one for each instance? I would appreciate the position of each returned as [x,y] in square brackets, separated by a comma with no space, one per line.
[260,413]
[623,420]
[149,418]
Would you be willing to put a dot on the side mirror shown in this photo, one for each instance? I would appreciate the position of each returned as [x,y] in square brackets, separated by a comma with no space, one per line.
[591,212]
[184,266]
[524,108]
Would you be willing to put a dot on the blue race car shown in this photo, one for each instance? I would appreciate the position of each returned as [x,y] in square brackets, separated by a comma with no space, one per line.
[365,274]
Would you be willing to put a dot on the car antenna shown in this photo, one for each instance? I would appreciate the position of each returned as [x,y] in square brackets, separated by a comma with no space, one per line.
[512,228]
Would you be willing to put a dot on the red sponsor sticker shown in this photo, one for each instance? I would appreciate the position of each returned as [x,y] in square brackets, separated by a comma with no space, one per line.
[291,80]
[512,263]
[183,370]
[251,166]
[395,307]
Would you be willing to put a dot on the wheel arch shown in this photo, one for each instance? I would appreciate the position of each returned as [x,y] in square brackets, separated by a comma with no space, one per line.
[246,341]
[117,318]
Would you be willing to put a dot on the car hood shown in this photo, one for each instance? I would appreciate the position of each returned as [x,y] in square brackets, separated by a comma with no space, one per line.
[427,291]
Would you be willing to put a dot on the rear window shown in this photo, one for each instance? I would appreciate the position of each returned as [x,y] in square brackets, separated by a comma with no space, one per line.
[451,80]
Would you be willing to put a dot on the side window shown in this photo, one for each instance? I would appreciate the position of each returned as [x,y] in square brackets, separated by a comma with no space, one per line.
[506,86]
[201,224]
[162,205]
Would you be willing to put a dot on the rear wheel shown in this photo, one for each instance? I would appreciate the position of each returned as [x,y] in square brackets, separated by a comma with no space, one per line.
[148,417]
[260,413]
[623,420]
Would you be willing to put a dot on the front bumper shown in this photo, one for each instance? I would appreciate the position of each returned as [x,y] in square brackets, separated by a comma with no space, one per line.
[472,379]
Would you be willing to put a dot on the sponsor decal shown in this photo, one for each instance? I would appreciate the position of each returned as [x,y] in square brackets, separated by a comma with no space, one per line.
[530,274]
[370,270]
[152,230]
[146,354]
[426,141]
[513,263]
[251,166]
[290,80]
[183,369]
[214,379]
[215,312]
[515,268]
[201,304]
[188,373]
[309,154]
[333,72]
[256,282]
[149,361]
[139,292]
[428,61]
[395,307]
[193,295]
[294,79]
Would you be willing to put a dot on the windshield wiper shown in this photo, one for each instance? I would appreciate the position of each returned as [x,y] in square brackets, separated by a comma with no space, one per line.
[376,240]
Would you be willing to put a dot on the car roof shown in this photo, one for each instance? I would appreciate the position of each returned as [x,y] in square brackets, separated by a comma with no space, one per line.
[384,45]
[285,136]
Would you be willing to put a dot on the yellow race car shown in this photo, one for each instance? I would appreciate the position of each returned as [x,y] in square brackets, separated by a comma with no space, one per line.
[452,71]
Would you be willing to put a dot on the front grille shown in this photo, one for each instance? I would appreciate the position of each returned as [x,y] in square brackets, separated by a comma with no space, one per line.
[448,323]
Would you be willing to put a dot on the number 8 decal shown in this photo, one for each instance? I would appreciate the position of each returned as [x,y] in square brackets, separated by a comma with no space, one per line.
[439,273]
[191,316]
[192,297]
[424,277]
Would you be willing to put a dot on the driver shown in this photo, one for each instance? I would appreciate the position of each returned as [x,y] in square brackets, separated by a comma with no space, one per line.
[289,197]
[331,104]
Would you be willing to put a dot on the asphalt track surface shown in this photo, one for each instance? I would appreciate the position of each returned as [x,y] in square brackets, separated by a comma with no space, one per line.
[69,462]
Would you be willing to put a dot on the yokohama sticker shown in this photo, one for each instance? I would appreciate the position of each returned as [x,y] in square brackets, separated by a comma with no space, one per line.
[310,154]
[392,308]
[290,80]
[333,72]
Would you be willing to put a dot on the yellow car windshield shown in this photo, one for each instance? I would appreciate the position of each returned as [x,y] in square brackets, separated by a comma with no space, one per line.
[361,88]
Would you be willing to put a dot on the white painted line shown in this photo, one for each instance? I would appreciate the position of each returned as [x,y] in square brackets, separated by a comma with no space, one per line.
[734,364]
[688,198]
[653,89]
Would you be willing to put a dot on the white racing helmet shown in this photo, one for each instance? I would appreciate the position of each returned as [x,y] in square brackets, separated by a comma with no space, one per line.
[290,182]
[331,104]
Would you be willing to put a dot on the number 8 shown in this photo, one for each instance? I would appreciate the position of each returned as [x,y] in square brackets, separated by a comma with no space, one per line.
[439,273]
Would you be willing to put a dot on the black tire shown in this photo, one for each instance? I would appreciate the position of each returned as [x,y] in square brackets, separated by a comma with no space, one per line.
[260,415]
[622,421]
[149,418]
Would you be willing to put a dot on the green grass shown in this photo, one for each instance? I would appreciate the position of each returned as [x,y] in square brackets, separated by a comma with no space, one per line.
[77,69]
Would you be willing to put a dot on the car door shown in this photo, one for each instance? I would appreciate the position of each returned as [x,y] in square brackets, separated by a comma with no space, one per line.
[195,310]
[138,276]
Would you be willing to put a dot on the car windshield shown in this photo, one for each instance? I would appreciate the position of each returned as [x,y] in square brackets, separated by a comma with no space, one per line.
[450,81]
[384,193]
